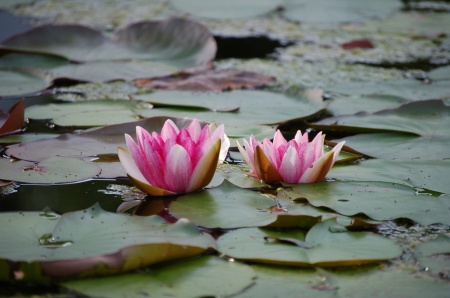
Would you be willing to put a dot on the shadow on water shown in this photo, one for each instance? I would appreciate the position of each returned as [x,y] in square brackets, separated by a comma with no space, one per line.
[11,24]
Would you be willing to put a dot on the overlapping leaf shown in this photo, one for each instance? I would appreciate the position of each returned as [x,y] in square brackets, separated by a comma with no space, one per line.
[378,200]
[200,277]
[71,247]
[320,246]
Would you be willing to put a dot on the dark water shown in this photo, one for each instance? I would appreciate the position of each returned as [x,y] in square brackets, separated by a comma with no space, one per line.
[11,24]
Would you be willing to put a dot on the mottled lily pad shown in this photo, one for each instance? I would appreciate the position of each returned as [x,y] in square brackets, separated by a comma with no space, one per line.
[434,255]
[320,246]
[70,246]
[201,277]
[378,200]
[52,170]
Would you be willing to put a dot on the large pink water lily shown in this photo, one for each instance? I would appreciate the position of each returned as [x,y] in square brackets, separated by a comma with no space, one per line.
[175,161]
[296,161]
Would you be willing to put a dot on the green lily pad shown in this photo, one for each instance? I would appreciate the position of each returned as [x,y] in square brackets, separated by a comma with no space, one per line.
[428,117]
[52,170]
[229,206]
[164,41]
[85,114]
[378,200]
[441,73]
[332,12]
[272,107]
[232,9]
[71,247]
[200,277]
[352,104]
[425,174]
[409,89]
[26,60]
[392,146]
[434,255]
[19,82]
[320,246]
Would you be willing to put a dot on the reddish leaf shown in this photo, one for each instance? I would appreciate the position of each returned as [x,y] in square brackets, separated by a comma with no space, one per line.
[13,120]
[209,80]
[358,44]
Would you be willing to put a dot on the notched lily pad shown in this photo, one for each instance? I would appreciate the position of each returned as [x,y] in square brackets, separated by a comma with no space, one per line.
[228,206]
[69,247]
[378,200]
[320,246]
[52,170]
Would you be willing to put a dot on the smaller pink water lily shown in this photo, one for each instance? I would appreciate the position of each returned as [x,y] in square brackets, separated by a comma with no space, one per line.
[175,161]
[296,161]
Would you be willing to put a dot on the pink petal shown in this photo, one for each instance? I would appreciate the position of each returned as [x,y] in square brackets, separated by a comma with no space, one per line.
[290,167]
[279,140]
[178,169]
[139,157]
[169,130]
[194,129]
[318,145]
[337,148]
[319,169]
[204,171]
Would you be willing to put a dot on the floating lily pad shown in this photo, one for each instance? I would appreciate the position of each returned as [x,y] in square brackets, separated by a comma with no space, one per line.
[201,277]
[333,12]
[391,146]
[378,200]
[71,247]
[85,114]
[320,246]
[174,42]
[232,9]
[12,121]
[434,255]
[20,82]
[352,104]
[272,107]
[428,117]
[52,170]
[229,206]
[425,174]
[26,60]
[441,73]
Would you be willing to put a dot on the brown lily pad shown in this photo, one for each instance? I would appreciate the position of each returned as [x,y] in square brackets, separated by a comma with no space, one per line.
[209,80]
[13,119]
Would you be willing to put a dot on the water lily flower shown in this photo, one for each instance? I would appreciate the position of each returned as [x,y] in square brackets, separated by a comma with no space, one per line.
[175,161]
[296,161]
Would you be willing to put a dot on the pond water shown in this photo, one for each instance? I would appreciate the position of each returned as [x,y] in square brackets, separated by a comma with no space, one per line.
[367,229]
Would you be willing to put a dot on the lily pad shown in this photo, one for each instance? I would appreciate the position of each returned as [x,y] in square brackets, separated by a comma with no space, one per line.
[200,277]
[229,206]
[352,104]
[21,82]
[12,121]
[427,117]
[52,170]
[332,12]
[434,255]
[392,146]
[273,107]
[424,174]
[85,114]
[320,246]
[164,41]
[378,200]
[70,247]
[232,9]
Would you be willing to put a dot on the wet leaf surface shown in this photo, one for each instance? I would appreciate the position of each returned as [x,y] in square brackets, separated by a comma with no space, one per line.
[378,200]
[200,277]
[320,247]
[70,247]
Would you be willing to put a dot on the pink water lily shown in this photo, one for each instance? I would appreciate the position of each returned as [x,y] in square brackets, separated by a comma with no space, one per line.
[175,161]
[296,161]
